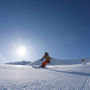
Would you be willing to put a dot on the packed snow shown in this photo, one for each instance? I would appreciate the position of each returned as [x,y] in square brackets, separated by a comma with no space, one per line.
[55,61]
[61,77]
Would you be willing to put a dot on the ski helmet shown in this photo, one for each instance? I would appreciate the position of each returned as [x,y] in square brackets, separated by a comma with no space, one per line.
[46,53]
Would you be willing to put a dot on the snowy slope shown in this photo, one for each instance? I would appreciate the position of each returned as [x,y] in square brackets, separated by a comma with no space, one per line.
[60,62]
[54,61]
[67,77]
[19,63]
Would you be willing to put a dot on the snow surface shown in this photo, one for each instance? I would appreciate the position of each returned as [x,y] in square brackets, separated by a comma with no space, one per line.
[65,77]
[55,61]
[19,63]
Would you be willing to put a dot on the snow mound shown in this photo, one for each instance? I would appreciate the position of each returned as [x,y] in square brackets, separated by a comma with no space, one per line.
[19,63]
[60,62]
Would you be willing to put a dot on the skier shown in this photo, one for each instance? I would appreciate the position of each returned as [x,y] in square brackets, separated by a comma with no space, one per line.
[83,61]
[47,59]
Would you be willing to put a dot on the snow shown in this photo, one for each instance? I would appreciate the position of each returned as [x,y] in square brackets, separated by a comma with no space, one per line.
[65,77]
[55,61]
[19,63]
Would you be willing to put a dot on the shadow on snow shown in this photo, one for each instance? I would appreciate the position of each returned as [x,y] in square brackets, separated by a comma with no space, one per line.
[72,72]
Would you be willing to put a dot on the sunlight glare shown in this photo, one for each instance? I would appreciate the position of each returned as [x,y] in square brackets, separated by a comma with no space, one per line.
[21,51]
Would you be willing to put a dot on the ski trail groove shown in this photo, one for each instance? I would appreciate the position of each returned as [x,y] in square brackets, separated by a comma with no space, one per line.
[83,85]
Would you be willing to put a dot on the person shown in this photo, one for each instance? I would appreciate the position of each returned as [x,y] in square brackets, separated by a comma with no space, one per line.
[83,61]
[47,59]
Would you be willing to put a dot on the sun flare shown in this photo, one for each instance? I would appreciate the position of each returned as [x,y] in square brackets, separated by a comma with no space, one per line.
[21,51]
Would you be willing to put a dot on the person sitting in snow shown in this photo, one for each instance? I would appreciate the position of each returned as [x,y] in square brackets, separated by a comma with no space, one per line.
[47,59]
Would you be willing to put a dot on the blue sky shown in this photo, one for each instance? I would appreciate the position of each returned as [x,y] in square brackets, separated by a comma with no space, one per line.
[61,27]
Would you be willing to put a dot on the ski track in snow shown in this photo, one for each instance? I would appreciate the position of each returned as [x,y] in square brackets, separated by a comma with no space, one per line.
[68,77]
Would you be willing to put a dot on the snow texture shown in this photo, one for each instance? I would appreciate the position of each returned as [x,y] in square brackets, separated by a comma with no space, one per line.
[65,77]
[60,62]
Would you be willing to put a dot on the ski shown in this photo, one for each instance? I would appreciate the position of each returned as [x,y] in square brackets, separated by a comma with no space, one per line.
[37,67]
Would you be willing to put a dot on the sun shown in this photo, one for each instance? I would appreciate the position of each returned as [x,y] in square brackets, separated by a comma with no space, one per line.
[21,51]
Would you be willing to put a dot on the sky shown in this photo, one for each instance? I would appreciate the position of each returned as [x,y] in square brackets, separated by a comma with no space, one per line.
[60,27]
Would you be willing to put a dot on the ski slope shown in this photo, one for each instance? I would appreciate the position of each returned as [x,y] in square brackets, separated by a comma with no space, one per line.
[55,61]
[65,77]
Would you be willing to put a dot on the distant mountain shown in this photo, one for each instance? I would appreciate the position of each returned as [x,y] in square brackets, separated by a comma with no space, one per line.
[60,62]
[54,61]
[19,63]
